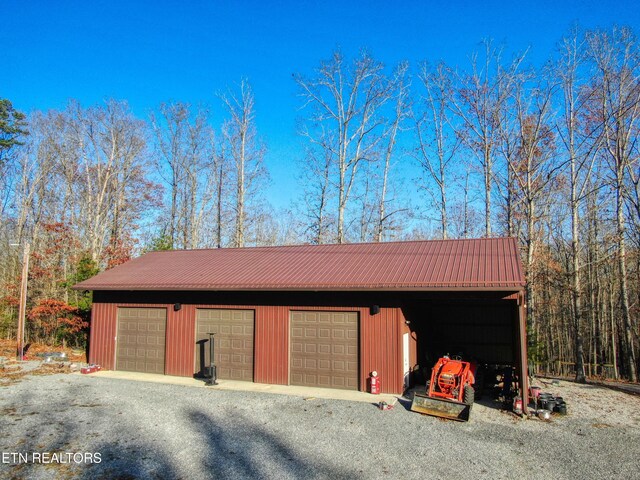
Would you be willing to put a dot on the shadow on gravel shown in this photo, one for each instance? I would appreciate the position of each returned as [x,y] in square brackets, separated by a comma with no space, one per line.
[489,402]
[129,462]
[406,403]
[242,449]
[73,433]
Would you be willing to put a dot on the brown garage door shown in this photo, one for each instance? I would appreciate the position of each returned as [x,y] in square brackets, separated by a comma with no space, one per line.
[140,340]
[233,342]
[324,349]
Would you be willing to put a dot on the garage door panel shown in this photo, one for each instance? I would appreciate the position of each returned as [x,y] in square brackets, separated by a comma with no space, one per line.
[341,383]
[233,342]
[324,349]
[141,339]
[237,330]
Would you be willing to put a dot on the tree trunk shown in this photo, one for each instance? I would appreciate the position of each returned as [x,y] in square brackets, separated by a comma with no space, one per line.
[341,206]
[219,207]
[624,290]
[487,192]
[576,286]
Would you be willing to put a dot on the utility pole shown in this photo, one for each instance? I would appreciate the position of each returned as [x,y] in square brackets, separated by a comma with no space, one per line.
[23,302]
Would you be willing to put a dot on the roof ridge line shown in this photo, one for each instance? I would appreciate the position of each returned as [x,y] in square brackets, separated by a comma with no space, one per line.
[391,242]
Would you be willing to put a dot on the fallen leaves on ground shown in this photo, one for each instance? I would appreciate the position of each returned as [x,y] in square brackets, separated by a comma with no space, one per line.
[8,349]
[11,372]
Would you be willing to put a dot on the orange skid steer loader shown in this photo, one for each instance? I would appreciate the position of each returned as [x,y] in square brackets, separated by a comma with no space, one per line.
[451,390]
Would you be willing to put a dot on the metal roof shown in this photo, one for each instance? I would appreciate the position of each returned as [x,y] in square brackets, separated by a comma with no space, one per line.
[482,264]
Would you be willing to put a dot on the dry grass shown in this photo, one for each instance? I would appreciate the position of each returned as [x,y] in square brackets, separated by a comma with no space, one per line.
[11,371]
[8,349]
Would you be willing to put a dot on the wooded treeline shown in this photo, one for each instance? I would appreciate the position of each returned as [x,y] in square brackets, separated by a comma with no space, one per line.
[548,154]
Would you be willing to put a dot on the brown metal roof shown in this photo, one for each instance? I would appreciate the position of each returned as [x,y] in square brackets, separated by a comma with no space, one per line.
[484,264]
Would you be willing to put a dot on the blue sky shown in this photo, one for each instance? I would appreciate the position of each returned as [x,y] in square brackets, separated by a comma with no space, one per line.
[147,52]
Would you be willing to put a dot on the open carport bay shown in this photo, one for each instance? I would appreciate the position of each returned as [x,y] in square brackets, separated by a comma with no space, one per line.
[147,430]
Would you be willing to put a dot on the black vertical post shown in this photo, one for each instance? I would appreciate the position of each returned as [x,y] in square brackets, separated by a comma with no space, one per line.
[212,377]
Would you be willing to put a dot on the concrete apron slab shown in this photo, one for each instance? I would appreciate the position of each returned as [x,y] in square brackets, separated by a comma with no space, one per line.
[305,392]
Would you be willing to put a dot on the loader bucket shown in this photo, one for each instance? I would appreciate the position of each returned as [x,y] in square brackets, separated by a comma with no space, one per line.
[440,408]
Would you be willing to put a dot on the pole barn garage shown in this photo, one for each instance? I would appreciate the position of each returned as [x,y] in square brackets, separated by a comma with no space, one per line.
[318,315]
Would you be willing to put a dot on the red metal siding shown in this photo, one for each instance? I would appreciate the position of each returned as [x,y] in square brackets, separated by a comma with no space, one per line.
[270,342]
[181,337]
[104,321]
[380,347]
[271,347]
[102,344]
[180,341]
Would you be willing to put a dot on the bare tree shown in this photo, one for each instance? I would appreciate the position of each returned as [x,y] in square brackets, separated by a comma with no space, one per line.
[616,57]
[401,99]
[246,153]
[581,147]
[113,166]
[479,101]
[464,219]
[220,168]
[316,178]
[533,169]
[634,200]
[170,132]
[346,121]
[33,167]
[437,141]
[187,164]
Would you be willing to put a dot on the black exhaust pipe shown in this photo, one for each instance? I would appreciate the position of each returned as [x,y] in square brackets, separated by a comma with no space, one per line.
[212,376]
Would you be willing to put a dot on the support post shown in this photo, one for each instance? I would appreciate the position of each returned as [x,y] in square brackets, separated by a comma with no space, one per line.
[23,303]
[524,368]
[213,374]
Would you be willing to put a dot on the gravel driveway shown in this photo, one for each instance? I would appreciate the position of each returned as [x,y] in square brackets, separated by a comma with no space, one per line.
[146,430]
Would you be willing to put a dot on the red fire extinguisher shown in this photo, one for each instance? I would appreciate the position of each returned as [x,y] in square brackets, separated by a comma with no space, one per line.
[374,383]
